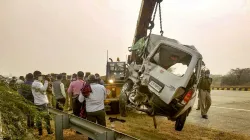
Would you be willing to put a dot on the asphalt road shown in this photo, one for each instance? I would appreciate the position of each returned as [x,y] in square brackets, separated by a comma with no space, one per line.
[230,111]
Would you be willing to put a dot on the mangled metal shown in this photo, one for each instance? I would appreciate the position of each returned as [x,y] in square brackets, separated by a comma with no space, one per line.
[164,79]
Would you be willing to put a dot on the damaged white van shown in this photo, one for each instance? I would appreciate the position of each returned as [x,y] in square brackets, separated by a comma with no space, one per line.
[163,80]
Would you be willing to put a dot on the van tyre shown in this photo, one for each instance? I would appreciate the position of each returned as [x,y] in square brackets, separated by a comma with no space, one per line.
[123,98]
[180,121]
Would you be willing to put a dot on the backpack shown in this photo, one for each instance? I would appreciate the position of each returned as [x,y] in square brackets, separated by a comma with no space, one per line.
[86,90]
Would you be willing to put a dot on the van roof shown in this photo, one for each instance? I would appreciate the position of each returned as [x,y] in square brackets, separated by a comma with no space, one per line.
[155,38]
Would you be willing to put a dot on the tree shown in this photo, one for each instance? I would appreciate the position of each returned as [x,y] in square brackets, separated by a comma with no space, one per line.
[216,80]
[237,77]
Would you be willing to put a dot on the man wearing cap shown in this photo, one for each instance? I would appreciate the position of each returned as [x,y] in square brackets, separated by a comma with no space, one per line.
[74,91]
[205,98]
[41,101]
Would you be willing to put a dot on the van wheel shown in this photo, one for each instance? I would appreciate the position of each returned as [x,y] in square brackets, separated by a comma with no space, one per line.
[180,121]
[123,98]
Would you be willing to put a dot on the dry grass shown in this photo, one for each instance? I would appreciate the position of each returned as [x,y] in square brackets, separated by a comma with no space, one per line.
[141,126]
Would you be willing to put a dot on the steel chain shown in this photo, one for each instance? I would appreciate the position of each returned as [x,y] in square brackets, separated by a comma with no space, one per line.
[160,19]
[156,6]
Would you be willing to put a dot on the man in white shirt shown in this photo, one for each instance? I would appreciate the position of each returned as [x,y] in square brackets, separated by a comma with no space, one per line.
[95,102]
[58,91]
[41,101]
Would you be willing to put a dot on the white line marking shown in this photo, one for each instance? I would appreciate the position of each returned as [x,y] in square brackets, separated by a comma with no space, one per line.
[238,109]
[232,108]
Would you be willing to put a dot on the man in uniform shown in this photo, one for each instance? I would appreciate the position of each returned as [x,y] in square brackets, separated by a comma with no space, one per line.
[205,97]
[199,91]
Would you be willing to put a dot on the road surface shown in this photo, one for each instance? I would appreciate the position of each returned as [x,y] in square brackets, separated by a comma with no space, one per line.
[230,111]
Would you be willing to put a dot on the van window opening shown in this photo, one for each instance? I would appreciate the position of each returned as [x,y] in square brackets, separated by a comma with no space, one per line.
[172,59]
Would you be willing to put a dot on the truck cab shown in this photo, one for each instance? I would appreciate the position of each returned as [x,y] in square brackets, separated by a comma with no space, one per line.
[114,80]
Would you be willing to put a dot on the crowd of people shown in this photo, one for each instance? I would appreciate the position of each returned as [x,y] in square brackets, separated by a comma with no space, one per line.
[82,93]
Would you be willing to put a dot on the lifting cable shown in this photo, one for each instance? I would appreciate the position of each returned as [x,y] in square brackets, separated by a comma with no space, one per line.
[158,4]
[151,26]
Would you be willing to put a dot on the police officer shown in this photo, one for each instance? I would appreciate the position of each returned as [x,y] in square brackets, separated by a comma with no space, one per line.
[199,91]
[205,97]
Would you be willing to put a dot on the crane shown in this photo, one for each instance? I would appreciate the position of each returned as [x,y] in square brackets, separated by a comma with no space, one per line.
[145,21]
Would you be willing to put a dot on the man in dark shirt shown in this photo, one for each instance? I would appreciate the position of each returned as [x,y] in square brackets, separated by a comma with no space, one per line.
[58,91]
[26,92]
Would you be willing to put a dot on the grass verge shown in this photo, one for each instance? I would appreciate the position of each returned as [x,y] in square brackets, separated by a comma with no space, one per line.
[141,126]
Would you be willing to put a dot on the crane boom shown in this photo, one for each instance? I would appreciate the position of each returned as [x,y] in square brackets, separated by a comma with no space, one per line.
[144,18]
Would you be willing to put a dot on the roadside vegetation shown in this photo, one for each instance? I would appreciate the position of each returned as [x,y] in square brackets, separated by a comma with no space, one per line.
[13,110]
[234,78]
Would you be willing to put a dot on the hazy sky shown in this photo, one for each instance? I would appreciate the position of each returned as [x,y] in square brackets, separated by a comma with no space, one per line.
[67,36]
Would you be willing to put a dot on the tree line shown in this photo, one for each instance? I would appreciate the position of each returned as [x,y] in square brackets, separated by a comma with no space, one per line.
[235,77]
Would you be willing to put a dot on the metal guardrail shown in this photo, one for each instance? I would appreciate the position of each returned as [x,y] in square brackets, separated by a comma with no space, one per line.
[65,121]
